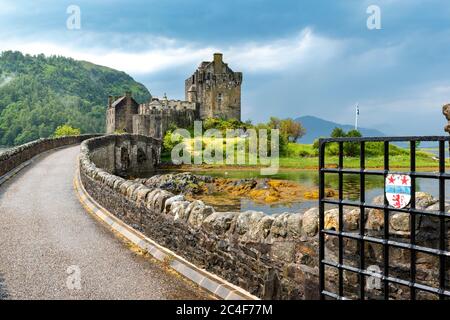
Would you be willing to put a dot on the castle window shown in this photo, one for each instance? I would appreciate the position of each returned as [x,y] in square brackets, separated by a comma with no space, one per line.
[219,98]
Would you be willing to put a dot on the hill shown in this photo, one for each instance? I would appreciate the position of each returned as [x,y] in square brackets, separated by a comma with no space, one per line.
[316,127]
[39,93]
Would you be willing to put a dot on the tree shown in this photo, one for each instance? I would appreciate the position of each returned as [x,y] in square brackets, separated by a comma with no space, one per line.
[351,149]
[338,133]
[354,134]
[38,94]
[66,130]
[292,129]
[274,123]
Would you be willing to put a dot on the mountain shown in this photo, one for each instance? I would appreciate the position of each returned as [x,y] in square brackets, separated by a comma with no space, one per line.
[39,93]
[316,127]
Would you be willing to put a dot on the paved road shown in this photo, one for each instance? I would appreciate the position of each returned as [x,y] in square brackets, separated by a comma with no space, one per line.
[44,230]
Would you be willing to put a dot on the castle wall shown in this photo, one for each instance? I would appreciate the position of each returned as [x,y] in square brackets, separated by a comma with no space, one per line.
[125,118]
[148,125]
[155,123]
[221,100]
[178,105]
[110,120]
[120,117]
[121,120]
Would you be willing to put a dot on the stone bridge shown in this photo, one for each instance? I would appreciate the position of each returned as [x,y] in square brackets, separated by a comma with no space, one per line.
[47,239]
[46,236]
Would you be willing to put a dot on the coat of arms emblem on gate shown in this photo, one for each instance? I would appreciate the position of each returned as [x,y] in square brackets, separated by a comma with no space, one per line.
[398,190]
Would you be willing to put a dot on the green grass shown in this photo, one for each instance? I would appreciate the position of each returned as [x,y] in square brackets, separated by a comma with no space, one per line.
[354,162]
[305,156]
[301,150]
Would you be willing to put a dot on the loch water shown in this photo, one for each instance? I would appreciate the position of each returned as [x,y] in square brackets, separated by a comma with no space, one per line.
[310,180]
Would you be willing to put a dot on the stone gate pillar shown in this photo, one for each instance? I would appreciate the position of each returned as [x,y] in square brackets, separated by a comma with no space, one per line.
[446,112]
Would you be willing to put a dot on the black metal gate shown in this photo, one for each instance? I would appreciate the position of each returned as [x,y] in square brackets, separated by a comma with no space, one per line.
[336,289]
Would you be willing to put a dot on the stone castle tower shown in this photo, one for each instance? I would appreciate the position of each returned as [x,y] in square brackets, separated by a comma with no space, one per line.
[216,89]
[213,91]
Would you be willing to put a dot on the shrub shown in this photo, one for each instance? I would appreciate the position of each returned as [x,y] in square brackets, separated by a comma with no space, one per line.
[316,144]
[224,124]
[170,141]
[66,130]
[304,154]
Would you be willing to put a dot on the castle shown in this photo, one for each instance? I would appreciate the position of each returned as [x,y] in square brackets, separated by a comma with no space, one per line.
[213,91]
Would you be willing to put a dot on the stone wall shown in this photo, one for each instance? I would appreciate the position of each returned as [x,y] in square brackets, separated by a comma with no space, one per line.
[119,114]
[15,156]
[125,154]
[155,123]
[273,257]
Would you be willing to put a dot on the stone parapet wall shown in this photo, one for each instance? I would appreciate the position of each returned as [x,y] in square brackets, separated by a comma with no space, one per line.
[124,154]
[272,257]
[15,156]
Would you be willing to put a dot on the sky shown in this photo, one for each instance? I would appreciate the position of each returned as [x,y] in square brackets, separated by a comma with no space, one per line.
[298,57]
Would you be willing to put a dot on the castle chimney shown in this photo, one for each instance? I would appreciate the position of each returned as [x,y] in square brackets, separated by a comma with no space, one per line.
[218,61]
[110,101]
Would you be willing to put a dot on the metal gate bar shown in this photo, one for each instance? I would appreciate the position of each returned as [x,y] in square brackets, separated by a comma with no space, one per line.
[361,238]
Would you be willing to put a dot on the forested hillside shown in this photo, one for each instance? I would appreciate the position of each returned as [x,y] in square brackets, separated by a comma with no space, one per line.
[38,93]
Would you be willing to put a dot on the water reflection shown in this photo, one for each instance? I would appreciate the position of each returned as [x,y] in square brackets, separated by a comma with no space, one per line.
[309,178]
